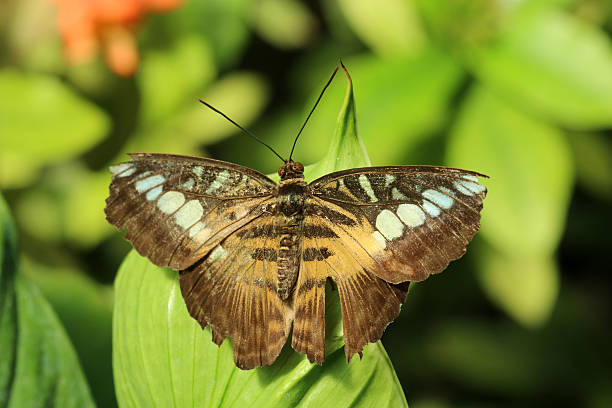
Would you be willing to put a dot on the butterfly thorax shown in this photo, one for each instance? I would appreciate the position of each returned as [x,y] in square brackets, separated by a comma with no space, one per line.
[289,224]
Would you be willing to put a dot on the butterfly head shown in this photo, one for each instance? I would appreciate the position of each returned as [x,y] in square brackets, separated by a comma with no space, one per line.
[291,170]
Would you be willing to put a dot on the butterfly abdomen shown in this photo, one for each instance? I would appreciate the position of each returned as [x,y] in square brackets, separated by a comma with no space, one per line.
[290,223]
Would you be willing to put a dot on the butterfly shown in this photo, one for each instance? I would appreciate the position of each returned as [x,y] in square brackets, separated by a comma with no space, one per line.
[254,255]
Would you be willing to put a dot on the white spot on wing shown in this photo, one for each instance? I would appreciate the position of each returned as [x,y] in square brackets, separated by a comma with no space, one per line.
[189,214]
[170,202]
[447,191]
[389,178]
[198,170]
[431,209]
[218,253]
[473,187]
[380,239]
[154,193]
[149,182]
[389,225]
[197,227]
[411,215]
[438,198]
[117,169]
[221,178]
[188,185]
[461,188]
[244,181]
[367,187]
[471,177]
[397,195]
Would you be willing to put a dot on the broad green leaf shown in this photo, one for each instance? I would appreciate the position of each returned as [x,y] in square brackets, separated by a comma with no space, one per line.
[38,366]
[87,317]
[401,102]
[54,121]
[525,287]
[531,172]
[461,25]
[389,27]
[171,78]
[284,23]
[162,357]
[552,63]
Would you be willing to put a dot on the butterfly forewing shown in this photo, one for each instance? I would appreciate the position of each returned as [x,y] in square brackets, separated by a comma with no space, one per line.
[411,220]
[177,208]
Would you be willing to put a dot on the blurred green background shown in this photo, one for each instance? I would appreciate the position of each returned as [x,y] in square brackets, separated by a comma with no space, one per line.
[519,90]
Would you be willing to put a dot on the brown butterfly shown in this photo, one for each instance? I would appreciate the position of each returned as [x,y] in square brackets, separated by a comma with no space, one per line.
[254,255]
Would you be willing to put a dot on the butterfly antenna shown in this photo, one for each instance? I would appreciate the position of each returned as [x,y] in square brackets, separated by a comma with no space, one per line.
[243,129]
[312,110]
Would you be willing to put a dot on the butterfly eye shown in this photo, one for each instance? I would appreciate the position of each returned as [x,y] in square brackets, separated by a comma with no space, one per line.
[298,167]
[281,171]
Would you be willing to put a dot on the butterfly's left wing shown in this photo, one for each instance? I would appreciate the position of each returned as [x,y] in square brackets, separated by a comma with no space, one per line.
[177,208]
[374,229]
[235,291]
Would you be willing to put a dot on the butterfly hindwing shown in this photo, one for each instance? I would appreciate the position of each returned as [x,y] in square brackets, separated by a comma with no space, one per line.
[411,220]
[177,208]
[234,290]
[368,303]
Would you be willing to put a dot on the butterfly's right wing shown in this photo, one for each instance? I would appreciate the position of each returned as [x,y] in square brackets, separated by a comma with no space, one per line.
[372,230]
[176,209]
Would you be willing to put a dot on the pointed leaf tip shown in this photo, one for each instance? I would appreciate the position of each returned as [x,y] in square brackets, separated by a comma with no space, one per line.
[346,149]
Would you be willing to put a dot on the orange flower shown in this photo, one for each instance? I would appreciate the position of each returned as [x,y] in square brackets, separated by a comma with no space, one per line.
[92,26]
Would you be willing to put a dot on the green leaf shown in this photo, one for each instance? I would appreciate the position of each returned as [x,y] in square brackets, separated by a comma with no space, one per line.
[462,24]
[171,78]
[554,64]
[389,27]
[531,172]
[87,316]
[525,287]
[56,123]
[38,366]
[285,24]
[162,357]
